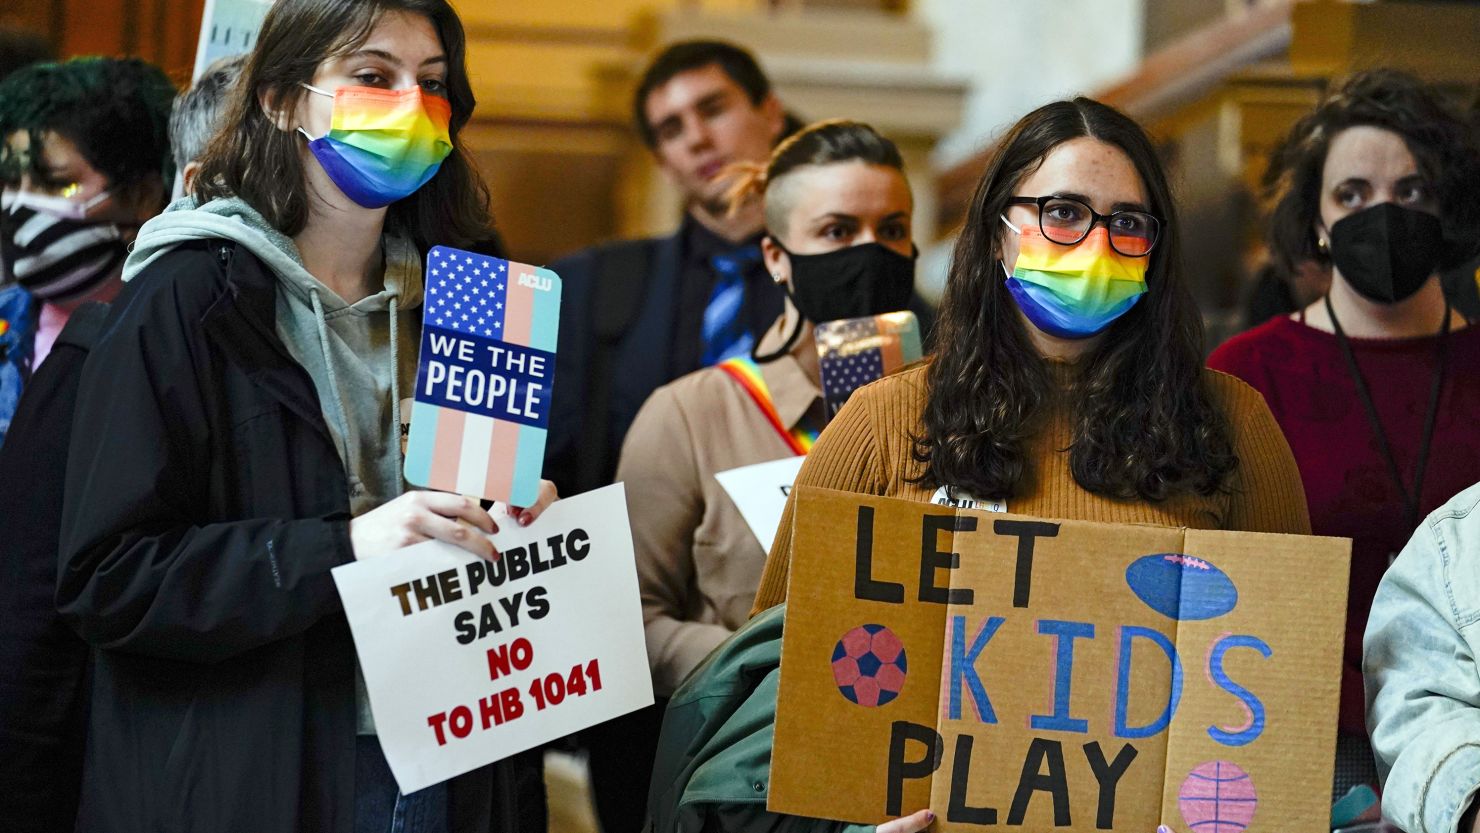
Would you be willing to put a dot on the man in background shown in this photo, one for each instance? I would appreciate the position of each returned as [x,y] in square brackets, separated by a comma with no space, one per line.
[637,314]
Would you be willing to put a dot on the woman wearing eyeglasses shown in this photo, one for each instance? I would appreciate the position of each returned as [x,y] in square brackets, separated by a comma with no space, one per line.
[1068,379]
[1067,383]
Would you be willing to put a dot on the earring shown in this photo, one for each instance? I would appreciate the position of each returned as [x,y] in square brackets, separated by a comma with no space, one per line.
[1323,245]
[776,276]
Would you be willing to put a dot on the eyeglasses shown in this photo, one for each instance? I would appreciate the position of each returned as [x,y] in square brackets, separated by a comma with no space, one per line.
[1067,221]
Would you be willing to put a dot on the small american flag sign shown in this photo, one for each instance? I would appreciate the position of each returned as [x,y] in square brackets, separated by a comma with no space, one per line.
[856,351]
[487,366]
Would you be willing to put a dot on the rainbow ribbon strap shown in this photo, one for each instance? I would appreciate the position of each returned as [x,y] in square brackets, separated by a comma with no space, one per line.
[748,376]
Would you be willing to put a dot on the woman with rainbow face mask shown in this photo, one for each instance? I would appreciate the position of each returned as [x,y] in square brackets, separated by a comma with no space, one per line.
[1067,382]
[240,435]
[1068,378]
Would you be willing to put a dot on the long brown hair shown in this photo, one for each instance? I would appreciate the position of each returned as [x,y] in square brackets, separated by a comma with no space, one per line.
[1144,426]
[251,158]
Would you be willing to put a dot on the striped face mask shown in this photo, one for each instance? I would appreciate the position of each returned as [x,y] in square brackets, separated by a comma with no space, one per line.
[382,145]
[1073,291]
[50,247]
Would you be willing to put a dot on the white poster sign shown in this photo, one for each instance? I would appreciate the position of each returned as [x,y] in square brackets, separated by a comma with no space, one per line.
[470,661]
[227,27]
[759,492]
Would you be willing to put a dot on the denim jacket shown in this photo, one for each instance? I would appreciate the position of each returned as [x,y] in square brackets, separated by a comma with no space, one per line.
[1423,680]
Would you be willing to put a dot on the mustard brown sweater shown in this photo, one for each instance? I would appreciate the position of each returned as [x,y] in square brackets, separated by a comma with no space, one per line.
[867,449]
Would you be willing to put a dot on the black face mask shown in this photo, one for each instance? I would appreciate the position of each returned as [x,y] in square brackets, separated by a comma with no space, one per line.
[1387,252]
[855,282]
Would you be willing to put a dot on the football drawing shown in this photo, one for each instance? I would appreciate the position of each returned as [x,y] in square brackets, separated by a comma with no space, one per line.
[1181,587]
[1218,797]
[869,665]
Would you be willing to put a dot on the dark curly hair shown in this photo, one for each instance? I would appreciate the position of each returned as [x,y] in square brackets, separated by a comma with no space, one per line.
[115,110]
[1442,143]
[1144,425]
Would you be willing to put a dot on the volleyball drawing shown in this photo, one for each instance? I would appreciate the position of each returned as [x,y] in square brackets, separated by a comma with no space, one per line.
[1218,797]
[869,665]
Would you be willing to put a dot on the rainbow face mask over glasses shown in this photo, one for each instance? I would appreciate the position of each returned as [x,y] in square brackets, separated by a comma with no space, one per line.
[1073,291]
[382,145]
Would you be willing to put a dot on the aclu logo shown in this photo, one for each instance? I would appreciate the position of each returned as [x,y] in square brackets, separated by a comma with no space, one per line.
[535,281]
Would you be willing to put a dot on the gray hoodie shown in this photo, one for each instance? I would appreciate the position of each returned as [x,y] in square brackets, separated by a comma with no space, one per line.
[347,349]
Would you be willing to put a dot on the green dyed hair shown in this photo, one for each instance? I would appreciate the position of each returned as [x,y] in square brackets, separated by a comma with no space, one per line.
[115,110]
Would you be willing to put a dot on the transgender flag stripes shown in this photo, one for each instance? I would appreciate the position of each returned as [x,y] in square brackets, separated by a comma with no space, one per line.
[481,408]
[855,351]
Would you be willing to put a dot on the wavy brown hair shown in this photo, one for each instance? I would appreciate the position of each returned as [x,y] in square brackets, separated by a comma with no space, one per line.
[1144,424]
[251,158]
[1442,143]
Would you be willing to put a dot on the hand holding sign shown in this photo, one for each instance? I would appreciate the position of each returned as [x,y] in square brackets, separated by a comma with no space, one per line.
[913,823]
[1042,674]
[422,516]
[425,516]
[468,661]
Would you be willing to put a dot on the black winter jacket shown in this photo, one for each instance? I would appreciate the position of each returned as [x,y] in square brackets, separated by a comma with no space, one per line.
[43,688]
[205,506]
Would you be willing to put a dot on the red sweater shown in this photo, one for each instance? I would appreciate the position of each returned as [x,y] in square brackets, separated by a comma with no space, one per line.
[1301,372]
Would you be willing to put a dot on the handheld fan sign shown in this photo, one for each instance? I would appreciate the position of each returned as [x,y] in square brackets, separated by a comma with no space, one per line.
[855,351]
[482,404]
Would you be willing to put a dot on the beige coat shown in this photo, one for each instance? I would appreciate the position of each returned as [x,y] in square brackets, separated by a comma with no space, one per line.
[698,563]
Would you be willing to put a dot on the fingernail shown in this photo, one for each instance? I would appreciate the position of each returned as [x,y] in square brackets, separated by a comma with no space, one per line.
[930,815]
[495,556]
[525,519]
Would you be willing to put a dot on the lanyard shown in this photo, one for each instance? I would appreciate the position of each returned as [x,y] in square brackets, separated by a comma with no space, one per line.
[748,375]
[1441,354]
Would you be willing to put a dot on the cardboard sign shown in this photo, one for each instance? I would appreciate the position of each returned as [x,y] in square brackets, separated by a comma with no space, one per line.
[1013,672]
[855,351]
[760,492]
[469,661]
[227,27]
[482,402]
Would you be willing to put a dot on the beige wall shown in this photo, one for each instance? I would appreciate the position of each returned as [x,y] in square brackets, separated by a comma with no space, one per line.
[552,132]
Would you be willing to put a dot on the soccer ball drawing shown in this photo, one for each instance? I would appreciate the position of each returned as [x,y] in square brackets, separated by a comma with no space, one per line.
[869,665]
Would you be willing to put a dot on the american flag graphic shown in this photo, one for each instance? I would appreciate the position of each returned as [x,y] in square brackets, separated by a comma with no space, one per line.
[483,381]
[856,351]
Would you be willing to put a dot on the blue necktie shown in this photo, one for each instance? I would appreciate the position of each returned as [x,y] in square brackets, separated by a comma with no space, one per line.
[725,333]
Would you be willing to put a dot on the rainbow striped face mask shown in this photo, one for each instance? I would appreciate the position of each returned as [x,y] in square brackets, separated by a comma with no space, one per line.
[1073,291]
[382,145]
